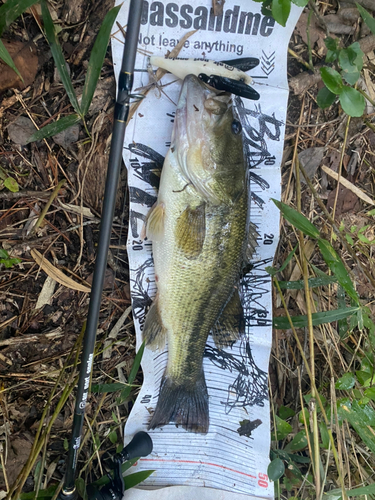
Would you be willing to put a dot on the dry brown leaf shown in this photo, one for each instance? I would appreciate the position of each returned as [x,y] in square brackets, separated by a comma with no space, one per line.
[310,160]
[347,201]
[86,212]
[347,184]
[46,293]
[26,60]
[56,274]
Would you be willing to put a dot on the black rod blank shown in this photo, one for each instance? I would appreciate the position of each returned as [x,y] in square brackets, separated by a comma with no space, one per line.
[114,166]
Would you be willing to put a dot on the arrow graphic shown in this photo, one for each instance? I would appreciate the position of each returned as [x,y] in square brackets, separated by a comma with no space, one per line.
[268,63]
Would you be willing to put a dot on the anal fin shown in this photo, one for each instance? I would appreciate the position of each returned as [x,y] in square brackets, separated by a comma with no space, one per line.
[231,324]
[153,330]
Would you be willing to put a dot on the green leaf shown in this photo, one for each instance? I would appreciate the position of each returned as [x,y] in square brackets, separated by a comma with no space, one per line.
[351,58]
[5,56]
[297,220]
[282,323]
[48,493]
[349,239]
[345,382]
[3,254]
[299,442]
[285,412]
[133,479]
[133,372]
[335,264]
[11,184]
[351,78]
[272,271]
[363,378]
[12,9]
[276,469]
[101,388]
[265,8]
[331,43]
[58,56]
[324,435]
[113,437]
[313,283]
[325,98]
[115,419]
[370,393]
[332,80]
[54,128]
[300,3]
[367,17]
[355,419]
[124,467]
[351,62]
[304,415]
[97,58]
[66,444]
[352,102]
[281,11]
[343,323]
[299,459]
[81,487]
[8,263]
[282,428]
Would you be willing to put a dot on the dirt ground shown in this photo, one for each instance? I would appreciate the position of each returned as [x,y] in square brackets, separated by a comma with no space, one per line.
[41,319]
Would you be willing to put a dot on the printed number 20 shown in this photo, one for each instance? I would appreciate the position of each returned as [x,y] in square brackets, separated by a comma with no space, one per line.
[268,239]
[263,480]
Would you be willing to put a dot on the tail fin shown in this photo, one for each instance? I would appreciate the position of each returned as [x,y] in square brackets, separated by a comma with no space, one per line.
[183,404]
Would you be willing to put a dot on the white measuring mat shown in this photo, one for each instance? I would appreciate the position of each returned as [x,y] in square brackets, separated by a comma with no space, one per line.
[232,456]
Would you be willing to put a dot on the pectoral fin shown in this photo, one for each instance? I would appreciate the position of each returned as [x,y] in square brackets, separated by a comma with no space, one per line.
[153,330]
[191,231]
[155,222]
[230,325]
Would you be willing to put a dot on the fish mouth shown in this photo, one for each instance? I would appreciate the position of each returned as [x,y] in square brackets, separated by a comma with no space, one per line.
[189,109]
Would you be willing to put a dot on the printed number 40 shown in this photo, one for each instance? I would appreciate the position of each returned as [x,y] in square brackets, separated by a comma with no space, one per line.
[268,239]
[262,480]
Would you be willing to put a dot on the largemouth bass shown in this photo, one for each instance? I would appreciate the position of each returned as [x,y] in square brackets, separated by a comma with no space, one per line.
[199,232]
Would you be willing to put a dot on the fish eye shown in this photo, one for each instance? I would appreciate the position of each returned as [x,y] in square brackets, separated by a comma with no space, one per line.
[236,127]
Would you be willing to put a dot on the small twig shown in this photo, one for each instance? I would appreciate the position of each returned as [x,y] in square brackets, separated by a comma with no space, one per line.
[321,20]
[299,58]
[4,471]
[309,49]
[24,194]
[366,96]
[48,204]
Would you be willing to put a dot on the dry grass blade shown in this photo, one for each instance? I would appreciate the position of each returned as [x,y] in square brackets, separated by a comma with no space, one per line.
[56,274]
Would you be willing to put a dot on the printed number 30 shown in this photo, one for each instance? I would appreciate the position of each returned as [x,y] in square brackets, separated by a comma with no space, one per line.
[263,480]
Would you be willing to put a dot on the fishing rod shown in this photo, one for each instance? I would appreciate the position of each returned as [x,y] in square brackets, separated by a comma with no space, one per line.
[124,96]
